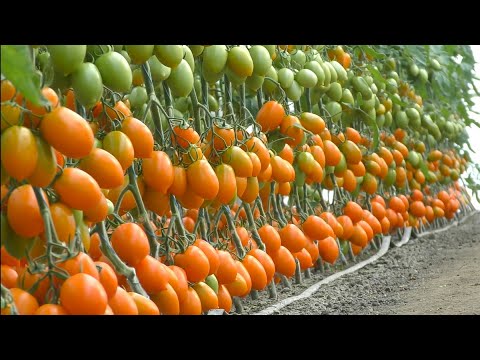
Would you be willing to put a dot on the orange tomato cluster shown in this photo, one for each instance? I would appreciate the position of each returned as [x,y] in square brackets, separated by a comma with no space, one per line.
[225,193]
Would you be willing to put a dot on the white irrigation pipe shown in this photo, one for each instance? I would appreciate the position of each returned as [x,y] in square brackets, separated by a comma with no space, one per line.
[405,237]
[314,288]
[386,240]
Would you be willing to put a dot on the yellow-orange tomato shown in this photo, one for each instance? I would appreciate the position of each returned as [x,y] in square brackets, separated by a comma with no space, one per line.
[19,152]
[77,189]
[104,168]
[140,136]
[46,167]
[119,145]
[270,115]
[145,306]
[202,180]
[23,212]
[158,171]
[63,221]
[67,132]
[25,303]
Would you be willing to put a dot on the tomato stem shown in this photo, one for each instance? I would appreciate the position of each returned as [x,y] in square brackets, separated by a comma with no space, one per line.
[52,241]
[204,86]
[201,225]
[207,219]
[322,200]
[233,231]
[297,106]
[237,213]
[168,99]
[169,259]
[259,98]
[118,264]
[198,226]
[350,252]
[280,208]
[342,256]
[196,110]
[307,273]
[238,305]
[8,299]
[176,216]
[276,208]
[297,202]
[263,216]
[286,282]
[309,209]
[319,265]
[305,200]
[253,228]
[216,221]
[272,290]
[120,198]
[147,79]
[242,105]
[204,228]
[283,95]
[298,272]
[228,99]
[152,239]
[80,109]
[308,100]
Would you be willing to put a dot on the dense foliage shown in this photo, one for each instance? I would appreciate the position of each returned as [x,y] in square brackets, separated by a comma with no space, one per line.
[174,179]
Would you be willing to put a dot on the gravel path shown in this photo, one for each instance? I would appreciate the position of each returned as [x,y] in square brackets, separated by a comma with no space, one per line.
[436,274]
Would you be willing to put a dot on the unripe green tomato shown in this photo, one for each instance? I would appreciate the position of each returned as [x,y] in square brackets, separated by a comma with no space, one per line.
[414,70]
[67,58]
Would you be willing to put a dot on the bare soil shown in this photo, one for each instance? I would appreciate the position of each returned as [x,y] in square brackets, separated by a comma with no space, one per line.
[435,274]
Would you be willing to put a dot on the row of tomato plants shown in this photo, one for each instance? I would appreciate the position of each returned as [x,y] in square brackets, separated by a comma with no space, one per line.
[142,198]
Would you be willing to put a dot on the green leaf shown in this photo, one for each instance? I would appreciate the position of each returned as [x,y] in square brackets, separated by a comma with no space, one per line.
[450,49]
[421,89]
[468,144]
[16,245]
[427,52]
[418,54]
[370,51]
[467,68]
[470,121]
[442,82]
[17,67]
[470,181]
[475,88]
[395,100]
[376,74]
[359,99]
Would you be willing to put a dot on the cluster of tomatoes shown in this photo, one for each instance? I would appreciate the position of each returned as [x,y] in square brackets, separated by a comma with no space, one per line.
[106,212]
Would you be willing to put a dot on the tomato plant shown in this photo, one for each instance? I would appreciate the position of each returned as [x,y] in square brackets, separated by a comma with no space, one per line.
[174,179]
